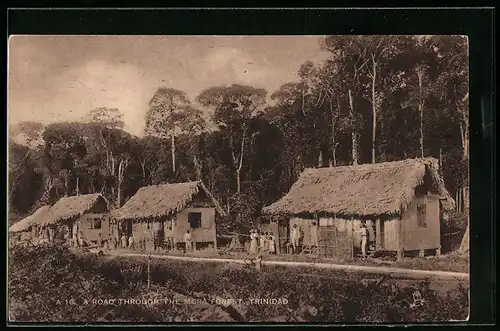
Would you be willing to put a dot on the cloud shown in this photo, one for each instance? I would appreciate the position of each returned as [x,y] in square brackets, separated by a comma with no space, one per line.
[96,83]
[62,78]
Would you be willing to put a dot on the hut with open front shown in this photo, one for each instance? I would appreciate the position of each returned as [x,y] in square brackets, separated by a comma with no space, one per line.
[28,227]
[400,202]
[158,213]
[83,214]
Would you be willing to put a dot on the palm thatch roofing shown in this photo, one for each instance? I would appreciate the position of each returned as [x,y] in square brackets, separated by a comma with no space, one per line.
[162,200]
[70,207]
[26,223]
[361,190]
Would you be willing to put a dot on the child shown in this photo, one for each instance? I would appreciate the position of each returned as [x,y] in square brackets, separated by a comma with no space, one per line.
[272,247]
[131,242]
[124,241]
[263,242]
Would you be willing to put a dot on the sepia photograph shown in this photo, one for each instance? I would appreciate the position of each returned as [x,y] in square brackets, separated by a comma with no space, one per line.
[218,179]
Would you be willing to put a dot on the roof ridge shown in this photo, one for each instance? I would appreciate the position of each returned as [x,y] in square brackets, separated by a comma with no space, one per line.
[370,166]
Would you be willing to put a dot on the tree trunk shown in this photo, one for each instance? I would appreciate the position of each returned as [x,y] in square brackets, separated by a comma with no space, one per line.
[143,166]
[66,185]
[354,136]
[374,107]
[334,142]
[119,187]
[320,159]
[121,175]
[441,159]
[238,180]
[77,186]
[240,165]
[421,111]
[172,137]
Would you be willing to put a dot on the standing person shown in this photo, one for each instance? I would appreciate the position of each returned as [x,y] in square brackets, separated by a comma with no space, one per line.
[364,238]
[51,234]
[272,243]
[80,239]
[253,242]
[124,241]
[257,239]
[131,242]
[313,235]
[75,240]
[294,236]
[174,242]
[263,241]
[188,238]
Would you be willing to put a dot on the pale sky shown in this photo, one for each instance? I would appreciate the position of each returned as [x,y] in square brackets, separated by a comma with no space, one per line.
[60,78]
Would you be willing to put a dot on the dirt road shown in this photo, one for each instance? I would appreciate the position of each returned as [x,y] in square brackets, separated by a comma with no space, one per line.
[406,273]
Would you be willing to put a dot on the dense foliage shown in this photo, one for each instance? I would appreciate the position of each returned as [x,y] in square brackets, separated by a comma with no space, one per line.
[376,99]
[43,279]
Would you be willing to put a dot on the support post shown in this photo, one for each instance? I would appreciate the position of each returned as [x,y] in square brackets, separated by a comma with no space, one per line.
[336,233]
[215,236]
[149,271]
[399,236]
[378,237]
[352,239]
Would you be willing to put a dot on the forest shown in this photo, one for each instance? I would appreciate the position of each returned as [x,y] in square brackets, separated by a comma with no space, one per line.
[376,99]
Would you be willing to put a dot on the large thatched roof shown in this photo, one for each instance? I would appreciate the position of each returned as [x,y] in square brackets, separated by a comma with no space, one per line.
[69,207]
[368,189]
[161,200]
[26,223]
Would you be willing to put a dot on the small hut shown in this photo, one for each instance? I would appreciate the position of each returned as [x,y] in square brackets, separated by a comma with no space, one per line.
[160,212]
[399,201]
[83,214]
[27,228]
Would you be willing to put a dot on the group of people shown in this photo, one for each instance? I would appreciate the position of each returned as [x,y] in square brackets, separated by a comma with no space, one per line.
[262,242]
[297,237]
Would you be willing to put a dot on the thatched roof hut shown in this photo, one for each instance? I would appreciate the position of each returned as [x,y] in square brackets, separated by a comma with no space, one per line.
[26,223]
[368,189]
[68,208]
[161,200]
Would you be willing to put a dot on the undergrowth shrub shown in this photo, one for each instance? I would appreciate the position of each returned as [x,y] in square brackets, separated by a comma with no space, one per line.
[40,276]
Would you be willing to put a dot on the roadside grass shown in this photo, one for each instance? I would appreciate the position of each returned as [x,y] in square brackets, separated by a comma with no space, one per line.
[44,280]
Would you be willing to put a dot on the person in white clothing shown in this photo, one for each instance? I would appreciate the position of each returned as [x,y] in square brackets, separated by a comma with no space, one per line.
[272,245]
[188,238]
[131,242]
[313,235]
[263,242]
[253,242]
[364,238]
[295,236]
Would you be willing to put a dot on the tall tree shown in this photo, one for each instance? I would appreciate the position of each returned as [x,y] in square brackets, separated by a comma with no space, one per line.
[27,133]
[351,54]
[108,123]
[379,49]
[110,118]
[162,117]
[452,88]
[233,107]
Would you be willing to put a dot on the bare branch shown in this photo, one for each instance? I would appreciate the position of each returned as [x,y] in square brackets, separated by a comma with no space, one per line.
[242,148]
